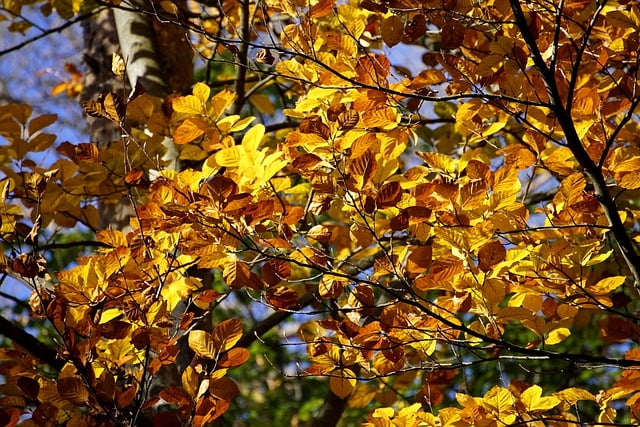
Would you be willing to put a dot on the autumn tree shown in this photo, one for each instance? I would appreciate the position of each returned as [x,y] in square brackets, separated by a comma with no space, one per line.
[428,210]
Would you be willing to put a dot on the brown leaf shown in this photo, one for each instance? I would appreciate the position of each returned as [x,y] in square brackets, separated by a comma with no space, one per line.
[452,34]
[73,390]
[94,108]
[348,120]
[125,398]
[363,168]
[257,212]
[491,254]
[221,188]
[322,8]
[87,152]
[389,194]
[44,413]
[25,266]
[115,329]
[281,297]
[29,387]
[275,271]
[415,29]
[224,388]
[392,29]
[106,387]
[141,338]
[134,177]
[237,275]
[209,409]
[400,221]
[306,162]
[9,417]
[227,334]
[315,125]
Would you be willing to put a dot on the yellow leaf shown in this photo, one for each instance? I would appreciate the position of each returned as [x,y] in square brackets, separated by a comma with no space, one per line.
[241,124]
[201,91]
[202,343]
[532,399]
[187,104]
[557,335]
[607,285]
[630,181]
[109,314]
[574,394]
[342,383]
[263,103]
[117,65]
[189,130]
[175,291]
[114,107]
[229,157]
[190,381]
[499,399]
[252,138]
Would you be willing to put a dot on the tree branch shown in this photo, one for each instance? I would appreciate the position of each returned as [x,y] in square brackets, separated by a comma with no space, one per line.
[48,32]
[275,319]
[331,411]
[37,349]
[591,170]
[243,57]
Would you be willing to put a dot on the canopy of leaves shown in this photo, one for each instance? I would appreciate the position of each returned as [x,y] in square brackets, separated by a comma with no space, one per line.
[433,204]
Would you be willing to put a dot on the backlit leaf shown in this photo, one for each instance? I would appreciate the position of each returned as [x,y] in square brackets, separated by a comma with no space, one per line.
[202,343]
[557,335]
[227,334]
[533,400]
[342,382]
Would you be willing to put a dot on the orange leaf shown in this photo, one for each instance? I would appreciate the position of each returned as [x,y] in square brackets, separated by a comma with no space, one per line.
[237,275]
[189,130]
[234,357]
[227,334]
[419,260]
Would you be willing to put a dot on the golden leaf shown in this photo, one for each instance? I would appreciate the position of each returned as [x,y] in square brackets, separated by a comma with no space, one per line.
[557,336]
[201,91]
[117,65]
[189,130]
[533,400]
[189,104]
[342,382]
[202,344]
